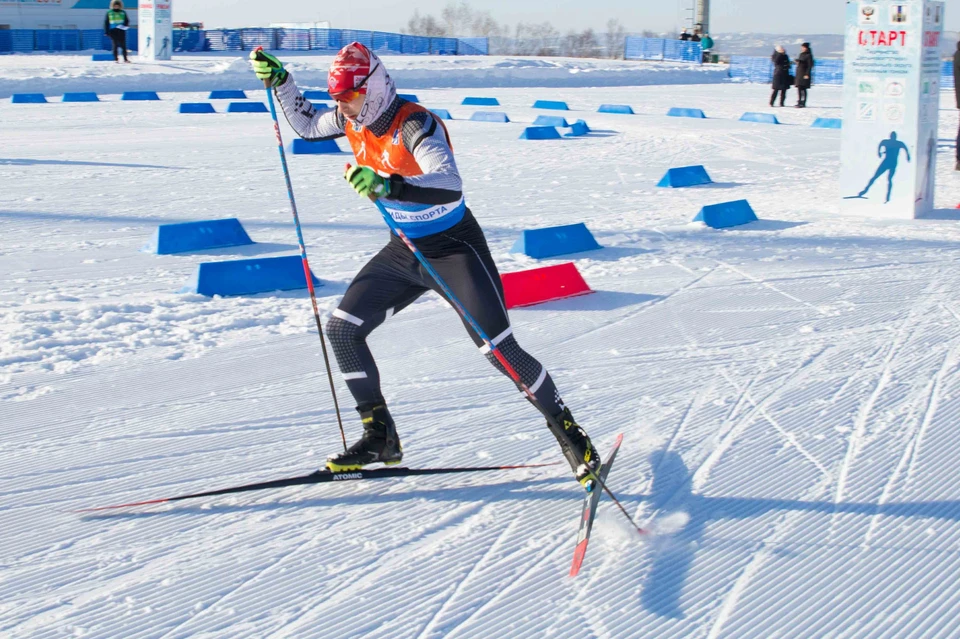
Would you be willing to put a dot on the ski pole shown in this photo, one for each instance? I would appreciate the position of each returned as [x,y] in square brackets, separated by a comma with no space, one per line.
[496,352]
[303,255]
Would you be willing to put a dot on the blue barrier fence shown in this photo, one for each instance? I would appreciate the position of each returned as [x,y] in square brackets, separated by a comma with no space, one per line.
[22,40]
[826,71]
[661,49]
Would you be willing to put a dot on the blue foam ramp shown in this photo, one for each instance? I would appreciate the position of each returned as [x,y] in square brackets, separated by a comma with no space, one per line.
[468,101]
[555,240]
[409,97]
[615,108]
[81,96]
[102,57]
[228,94]
[28,98]
[196,107]
[550,120]
[246,107]
[140,95]
[247,277]
[197,236]
[763,118]
[489,116]
[827,123]
[577,128]
[556,105]
[308,147]
[677,112]
[720,216]
[443,114]
[315,94]
[685,176]
[540,133]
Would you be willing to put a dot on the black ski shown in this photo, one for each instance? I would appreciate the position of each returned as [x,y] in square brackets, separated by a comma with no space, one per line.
[590,501]
[322,477]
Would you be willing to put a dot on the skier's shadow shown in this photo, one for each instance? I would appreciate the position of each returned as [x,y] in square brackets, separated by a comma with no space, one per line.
[673,555]
[671,564]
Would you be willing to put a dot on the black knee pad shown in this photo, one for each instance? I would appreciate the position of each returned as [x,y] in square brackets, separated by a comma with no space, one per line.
[344,337]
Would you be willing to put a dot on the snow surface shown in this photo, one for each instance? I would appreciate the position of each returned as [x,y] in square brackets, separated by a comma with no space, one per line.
[789,389]
[55,74]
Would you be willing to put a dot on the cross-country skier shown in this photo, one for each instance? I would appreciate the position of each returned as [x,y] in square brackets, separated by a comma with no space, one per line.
[406,160]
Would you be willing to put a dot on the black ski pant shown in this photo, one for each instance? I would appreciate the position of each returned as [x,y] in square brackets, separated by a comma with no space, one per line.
[783,96]
[394,278]
[958,145]
[802,97]
[119,39]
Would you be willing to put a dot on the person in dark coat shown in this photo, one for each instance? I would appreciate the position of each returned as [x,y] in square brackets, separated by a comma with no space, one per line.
[805,64]
[115,25]
[956,88]
[781,75]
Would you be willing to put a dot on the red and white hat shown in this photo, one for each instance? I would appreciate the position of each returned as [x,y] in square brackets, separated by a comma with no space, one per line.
[349,69]
[358,68]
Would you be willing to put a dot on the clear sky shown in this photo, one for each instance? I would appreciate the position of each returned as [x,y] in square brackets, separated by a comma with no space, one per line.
[763,16]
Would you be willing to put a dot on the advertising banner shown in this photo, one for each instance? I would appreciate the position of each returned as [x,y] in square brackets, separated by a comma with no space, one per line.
[891,95]
[156,29]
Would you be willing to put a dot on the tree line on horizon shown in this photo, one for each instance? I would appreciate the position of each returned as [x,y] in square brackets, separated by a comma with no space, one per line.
[459,19]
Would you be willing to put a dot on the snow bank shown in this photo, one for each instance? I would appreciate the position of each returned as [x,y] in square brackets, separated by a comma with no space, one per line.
[55,74]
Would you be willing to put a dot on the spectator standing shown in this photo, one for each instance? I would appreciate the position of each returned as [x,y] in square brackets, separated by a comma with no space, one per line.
[115,25]
[781,75]
[684,35]
[805,64]
[956,88]
[706,43]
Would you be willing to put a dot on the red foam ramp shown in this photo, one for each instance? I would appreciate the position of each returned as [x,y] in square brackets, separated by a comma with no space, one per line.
[537,285]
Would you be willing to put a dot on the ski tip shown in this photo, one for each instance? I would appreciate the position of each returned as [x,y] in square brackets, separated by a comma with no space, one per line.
[119,506]
[578,556]
[619,440]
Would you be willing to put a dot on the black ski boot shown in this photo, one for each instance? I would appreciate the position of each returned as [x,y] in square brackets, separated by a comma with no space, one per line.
[379,442]
[583,458]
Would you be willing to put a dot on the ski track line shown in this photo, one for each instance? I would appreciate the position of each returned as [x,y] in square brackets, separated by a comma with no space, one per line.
[249,580]
[860,425]
[913,441]
[785,434]
[687,480]
[548,550]
[767,547]
[643,307]
[460,587]
[700,477]
[58,610]
[949,362]
[413,548]
[691,409]
[773,288]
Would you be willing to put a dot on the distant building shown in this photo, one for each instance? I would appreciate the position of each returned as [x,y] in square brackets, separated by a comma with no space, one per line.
[58,14]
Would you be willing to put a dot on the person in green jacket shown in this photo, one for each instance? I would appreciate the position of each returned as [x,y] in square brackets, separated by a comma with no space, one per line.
[706,42]
[115,25]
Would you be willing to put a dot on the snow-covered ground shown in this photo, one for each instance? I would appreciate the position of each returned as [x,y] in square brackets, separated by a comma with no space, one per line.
[54,74]
[787,389]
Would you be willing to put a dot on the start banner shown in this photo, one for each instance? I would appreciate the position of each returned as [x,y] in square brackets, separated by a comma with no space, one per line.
[891,93]
[156,29]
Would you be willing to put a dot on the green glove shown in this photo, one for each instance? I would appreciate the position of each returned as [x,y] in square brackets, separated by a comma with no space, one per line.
[268,68]
[366,182]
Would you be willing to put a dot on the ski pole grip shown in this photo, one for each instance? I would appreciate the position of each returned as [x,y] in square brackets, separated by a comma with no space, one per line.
[258,54]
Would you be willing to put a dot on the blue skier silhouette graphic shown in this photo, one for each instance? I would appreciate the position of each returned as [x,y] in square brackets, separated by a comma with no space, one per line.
[163,49]
[889,150]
